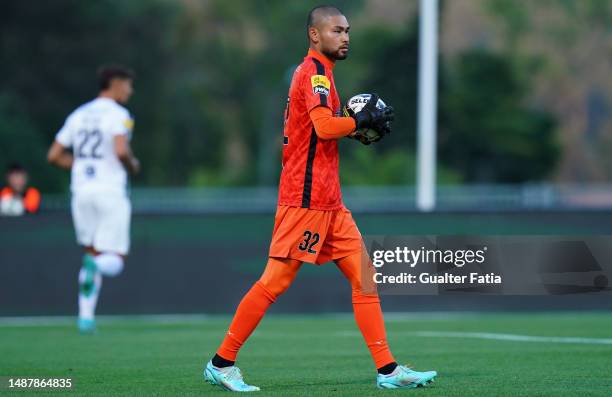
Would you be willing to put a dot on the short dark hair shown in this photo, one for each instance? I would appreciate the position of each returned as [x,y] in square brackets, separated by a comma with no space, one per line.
[106,73]
[14,167]
[327,9]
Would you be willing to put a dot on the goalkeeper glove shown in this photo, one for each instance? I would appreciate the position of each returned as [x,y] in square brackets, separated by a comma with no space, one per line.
[371,117]
[375,119]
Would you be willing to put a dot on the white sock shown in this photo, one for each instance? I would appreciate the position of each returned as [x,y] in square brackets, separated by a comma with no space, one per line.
[87,303]
[109,265]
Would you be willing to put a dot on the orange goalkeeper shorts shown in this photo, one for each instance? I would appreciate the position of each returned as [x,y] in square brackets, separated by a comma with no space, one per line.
[314,236]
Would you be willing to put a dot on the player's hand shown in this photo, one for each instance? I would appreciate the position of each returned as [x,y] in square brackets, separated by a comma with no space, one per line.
[361,137]
[373,123]
[370,136]
[135,166]
[382,130]
[371,117]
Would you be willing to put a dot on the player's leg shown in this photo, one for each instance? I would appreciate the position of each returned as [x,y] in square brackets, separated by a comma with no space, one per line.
[110,264]
[90,280]
[102,224]
[345,246]
[90,283]
[95,265]
[112,236]
[351,257]
[350,254]
[296,237]
[276,278]
[359,271]
[294,241]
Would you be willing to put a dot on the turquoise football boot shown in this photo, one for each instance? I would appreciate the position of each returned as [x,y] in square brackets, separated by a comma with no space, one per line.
[87,325]
[403,376]
[228,378]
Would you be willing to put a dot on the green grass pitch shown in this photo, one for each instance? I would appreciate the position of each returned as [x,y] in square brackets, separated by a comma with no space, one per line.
[318,355]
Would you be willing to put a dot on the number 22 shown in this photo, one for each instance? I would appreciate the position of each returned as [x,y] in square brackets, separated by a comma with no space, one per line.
[93,136]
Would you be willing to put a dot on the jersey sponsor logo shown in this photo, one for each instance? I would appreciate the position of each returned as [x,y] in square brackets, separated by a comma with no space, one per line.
[320,84]
[320,90]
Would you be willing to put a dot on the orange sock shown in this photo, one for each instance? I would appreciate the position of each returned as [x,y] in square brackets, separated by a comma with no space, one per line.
[249,313]
[369,318]
[358,270]
[276,278]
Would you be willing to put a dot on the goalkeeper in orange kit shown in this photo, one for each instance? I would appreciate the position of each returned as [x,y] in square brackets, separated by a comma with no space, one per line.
[312,224]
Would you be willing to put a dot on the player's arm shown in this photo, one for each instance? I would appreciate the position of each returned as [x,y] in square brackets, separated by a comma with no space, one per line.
[329,127]
[59,156]
[316,88]
[125,155]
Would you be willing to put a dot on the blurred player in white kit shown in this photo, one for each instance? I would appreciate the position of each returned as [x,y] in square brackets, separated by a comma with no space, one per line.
[99,134]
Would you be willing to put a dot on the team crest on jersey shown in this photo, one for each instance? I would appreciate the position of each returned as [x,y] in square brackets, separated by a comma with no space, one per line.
[320,84]
[129,124]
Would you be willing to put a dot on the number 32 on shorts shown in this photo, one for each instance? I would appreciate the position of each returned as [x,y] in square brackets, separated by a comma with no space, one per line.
[310,240]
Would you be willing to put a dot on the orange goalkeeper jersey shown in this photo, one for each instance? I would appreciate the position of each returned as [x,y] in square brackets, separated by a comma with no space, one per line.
[309,178]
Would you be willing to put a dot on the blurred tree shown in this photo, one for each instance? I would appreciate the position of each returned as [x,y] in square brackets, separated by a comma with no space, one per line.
[573,41]
[212,80]
[393,74]
[366,166]
[485,131]
[51,51]
[251,49]
[20,142]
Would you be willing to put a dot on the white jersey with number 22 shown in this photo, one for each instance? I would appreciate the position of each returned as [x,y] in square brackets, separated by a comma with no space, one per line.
[90,131]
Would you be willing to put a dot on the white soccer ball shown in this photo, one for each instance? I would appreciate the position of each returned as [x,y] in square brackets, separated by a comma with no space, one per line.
[356,103]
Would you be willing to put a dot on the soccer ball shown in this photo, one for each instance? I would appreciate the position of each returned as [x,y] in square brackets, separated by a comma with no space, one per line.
[355,104]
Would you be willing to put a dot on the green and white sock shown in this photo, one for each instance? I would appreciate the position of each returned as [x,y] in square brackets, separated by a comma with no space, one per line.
[90,283]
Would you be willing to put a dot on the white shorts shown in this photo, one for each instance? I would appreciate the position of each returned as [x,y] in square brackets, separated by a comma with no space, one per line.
[102,221]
